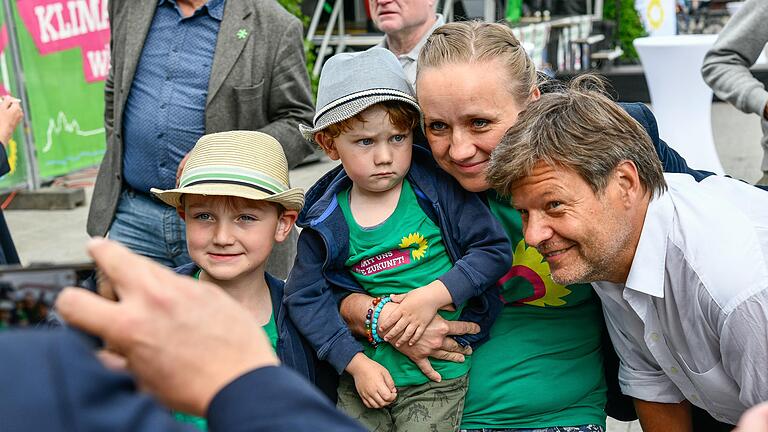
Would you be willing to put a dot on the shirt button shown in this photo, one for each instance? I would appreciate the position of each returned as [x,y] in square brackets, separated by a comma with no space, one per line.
[655,337]
[160,135]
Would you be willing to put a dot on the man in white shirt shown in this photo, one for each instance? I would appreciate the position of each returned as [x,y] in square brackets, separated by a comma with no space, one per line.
[407,24]
[680,266]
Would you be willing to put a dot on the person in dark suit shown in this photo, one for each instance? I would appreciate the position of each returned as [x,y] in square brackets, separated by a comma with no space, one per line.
[10,116]
[225,368]
[181,69]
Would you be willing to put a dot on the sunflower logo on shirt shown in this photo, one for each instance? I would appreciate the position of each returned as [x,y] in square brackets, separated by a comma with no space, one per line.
[528,264]
[418,242]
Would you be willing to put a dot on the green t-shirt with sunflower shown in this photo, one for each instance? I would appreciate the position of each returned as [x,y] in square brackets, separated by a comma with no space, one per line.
[403,253]
[542,366]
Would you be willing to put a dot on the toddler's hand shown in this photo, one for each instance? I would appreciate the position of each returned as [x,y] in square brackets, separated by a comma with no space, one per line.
[415,312]
[373,382]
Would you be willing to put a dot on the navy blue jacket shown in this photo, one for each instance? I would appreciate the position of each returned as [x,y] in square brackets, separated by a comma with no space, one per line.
[8,253]
[51,381]
[476,242]
[292,349]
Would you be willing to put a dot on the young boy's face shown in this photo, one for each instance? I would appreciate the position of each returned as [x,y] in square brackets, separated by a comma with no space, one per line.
[376,155]
[231,238]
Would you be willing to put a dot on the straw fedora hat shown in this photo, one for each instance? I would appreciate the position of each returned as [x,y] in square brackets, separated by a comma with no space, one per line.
[352,82]
[245,164]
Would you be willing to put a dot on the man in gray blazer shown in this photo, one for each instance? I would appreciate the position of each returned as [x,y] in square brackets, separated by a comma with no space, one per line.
[181,69]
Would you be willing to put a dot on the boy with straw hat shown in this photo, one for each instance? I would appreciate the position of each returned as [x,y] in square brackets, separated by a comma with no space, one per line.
[236,200]
[389,223]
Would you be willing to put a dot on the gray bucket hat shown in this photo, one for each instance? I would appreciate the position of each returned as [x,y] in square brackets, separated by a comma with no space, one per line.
[352,82]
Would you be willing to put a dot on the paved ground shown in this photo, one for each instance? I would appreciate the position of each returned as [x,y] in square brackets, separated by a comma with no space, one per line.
[59,236]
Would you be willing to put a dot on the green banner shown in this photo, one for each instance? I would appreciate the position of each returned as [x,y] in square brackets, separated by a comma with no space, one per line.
[64,48]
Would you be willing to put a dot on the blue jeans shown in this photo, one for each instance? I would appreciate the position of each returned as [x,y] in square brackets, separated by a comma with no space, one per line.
[151,228]
[582,428]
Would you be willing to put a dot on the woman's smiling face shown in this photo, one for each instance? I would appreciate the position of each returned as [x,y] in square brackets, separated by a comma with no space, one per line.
[467,109]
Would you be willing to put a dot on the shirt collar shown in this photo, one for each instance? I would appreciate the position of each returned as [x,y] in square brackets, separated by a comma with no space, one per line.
[414,53]
[649,264]
[215,8]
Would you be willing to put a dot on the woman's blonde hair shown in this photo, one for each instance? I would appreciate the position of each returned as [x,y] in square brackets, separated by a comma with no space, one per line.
[476,42]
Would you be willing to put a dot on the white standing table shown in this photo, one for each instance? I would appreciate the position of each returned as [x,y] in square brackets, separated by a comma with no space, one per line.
[681,101]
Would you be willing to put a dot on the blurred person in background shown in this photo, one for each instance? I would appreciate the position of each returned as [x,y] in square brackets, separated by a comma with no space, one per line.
[407,24]
[10,116]
[726,66]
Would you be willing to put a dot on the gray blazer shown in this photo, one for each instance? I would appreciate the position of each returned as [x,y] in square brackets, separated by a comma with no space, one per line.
[257,83]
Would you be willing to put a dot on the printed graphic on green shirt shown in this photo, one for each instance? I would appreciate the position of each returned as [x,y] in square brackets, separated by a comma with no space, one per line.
[401,254]
[542,366]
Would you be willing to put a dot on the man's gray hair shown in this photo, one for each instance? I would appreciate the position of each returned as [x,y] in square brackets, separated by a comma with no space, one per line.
[578,128]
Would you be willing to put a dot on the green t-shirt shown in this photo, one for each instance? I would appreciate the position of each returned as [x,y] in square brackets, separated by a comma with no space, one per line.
[401,254]
[542,366]
[270,328]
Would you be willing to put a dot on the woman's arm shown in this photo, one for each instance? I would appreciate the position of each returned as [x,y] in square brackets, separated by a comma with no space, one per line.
[435,342]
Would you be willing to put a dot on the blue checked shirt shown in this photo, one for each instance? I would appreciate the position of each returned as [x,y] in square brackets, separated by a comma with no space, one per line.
[165,111]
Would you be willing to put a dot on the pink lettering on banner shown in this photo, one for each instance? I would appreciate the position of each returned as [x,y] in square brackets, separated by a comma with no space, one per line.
[58,25]
[381,262]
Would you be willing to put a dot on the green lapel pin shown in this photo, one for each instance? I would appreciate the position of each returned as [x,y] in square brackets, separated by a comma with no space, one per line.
[242,33]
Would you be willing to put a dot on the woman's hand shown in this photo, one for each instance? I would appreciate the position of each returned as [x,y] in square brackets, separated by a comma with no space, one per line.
[435,342]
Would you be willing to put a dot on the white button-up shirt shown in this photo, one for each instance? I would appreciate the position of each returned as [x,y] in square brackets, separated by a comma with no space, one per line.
[691,322]
[409,59]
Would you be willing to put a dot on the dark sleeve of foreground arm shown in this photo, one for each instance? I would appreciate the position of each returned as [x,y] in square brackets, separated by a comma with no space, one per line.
[275,399]
[54,383]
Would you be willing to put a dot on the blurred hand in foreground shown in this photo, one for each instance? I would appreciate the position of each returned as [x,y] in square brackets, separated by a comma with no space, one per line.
[754,419]
[184,340]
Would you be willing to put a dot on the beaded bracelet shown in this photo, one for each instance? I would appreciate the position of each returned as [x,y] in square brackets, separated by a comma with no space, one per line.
[369,320]
[375,321]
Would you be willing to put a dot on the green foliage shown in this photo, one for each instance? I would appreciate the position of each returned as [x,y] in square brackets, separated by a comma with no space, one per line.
[630,26]
[294,7]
